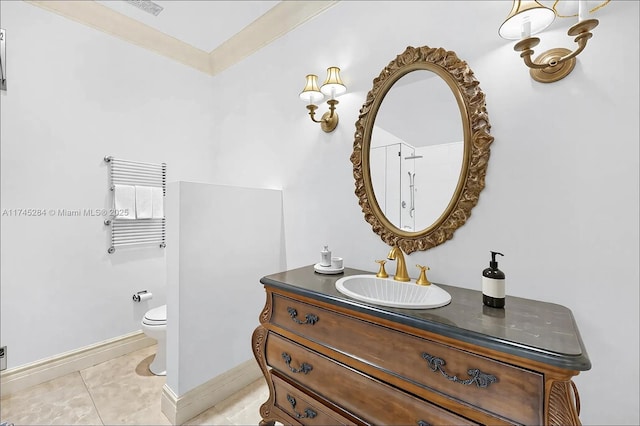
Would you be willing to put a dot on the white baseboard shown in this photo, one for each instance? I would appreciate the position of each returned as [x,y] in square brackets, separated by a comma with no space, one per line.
[180,409]
[19,378]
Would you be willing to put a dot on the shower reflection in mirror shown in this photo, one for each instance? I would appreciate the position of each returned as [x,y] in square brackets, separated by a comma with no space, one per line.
[413,184]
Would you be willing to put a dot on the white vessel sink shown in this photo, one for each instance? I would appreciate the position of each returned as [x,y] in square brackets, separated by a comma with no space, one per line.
[395,294]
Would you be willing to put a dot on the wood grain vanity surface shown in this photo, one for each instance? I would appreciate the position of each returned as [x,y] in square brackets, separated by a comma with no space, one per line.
[303,408]
[372,400]
[535,330]
[389,350]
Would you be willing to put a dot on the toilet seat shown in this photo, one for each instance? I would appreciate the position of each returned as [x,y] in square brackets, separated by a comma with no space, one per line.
[156,316]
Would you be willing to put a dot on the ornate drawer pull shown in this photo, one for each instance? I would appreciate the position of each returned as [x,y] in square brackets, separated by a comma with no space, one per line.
[304,367]
[309,318]
[482,380]
[423,423]
[308,412]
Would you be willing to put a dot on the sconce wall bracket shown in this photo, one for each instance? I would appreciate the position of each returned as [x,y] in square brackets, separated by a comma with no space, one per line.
[555,64]
[556,72]
[329,120]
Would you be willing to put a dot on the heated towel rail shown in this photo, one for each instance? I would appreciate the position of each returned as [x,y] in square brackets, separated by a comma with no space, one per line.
[131,232]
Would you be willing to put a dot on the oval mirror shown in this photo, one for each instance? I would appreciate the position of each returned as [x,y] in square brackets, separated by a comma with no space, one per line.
[415,173]
[421,148]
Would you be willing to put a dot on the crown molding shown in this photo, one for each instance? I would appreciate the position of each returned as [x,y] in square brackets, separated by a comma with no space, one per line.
[276,22]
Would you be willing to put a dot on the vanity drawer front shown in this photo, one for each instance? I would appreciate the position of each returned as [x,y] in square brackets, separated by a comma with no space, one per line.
[450,371]
[367,398]
[302,407]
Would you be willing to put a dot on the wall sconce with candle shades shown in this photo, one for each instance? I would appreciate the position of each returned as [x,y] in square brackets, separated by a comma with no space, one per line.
[332,87]
[530,17]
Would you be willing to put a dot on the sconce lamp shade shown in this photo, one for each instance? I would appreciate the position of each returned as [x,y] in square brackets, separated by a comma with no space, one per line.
[528,13]
[311,93]
[333,85]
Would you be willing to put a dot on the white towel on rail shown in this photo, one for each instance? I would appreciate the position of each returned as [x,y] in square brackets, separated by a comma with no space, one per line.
[157,202]
[144,205]
[124,201]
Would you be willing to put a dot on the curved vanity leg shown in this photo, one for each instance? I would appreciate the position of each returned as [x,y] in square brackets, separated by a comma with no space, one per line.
[267,311]
[258,340]
[562,403]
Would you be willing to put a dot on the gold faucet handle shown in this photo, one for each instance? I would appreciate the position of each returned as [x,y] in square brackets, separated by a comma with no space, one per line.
[382,273]
[422,279]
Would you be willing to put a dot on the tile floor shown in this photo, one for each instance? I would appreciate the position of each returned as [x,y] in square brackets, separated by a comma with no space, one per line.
[121,391]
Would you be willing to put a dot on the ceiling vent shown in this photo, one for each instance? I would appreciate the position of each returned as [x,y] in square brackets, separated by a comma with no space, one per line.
[147,6]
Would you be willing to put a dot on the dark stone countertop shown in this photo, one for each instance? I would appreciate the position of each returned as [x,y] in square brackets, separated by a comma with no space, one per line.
[539,331]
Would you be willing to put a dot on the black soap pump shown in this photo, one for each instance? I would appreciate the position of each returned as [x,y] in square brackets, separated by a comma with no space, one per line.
[493,283]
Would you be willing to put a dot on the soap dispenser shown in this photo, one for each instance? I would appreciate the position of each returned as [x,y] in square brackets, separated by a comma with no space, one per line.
[325,256]
[493,284]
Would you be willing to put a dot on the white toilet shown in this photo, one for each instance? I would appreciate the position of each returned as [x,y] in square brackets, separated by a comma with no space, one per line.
[154,325]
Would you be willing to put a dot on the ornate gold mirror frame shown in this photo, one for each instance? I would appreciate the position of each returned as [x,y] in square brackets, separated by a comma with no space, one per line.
[477,140]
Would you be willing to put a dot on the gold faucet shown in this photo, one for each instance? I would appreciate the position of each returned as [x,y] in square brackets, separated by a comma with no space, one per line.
[401,267]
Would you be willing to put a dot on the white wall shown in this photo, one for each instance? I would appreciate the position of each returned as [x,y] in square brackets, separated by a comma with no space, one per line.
[75,95]
[562,186]
[561,199]
[223,239]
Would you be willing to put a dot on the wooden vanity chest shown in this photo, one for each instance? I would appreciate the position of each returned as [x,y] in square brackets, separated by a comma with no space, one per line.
[329,359]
